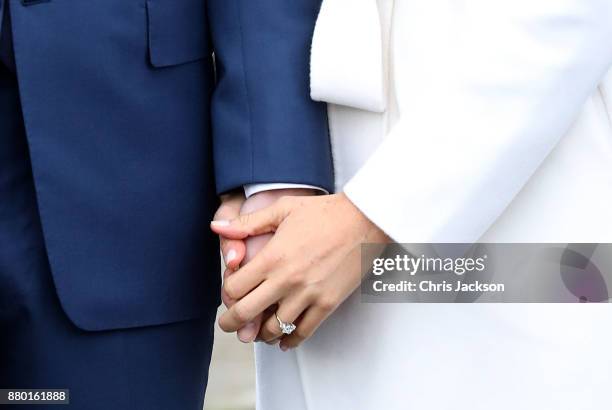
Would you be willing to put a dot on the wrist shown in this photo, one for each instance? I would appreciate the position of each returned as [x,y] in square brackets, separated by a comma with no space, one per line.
[368,231]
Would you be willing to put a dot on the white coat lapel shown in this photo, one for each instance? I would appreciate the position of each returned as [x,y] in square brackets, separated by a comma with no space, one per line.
[348,56]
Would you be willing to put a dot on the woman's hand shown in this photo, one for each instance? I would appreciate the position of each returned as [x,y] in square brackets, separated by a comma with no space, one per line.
[309,267]
[238,252]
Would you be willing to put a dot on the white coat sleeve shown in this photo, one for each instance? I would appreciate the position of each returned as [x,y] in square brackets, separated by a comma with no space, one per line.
[517,73]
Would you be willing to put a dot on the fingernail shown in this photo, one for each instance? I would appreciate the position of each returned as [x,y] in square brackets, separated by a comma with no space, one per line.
[231,255]
[284,348]
[248,333]
[220,222]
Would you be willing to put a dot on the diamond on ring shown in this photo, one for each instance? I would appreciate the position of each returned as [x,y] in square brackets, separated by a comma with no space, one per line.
[286,328]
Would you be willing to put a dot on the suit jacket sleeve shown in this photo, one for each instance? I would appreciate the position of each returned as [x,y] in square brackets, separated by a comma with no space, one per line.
[509,80]
[266,129]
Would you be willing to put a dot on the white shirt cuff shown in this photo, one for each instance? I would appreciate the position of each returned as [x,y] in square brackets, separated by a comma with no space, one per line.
[252,189]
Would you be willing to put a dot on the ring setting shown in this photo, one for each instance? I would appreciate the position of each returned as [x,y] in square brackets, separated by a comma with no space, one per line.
[286,327]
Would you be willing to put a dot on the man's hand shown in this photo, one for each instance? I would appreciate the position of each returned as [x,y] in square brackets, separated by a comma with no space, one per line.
[233,251]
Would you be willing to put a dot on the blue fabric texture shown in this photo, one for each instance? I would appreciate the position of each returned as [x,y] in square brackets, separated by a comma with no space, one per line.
[154,367]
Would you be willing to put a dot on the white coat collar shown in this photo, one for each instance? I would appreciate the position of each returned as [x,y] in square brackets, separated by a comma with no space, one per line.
[348,63]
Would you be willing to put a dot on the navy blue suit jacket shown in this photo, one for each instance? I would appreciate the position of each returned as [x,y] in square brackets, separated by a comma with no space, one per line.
[134,128]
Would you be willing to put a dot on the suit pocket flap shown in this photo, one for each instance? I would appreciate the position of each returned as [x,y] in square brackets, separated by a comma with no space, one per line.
[177,31]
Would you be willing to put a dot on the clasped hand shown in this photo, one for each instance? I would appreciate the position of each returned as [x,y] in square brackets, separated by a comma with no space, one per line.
[306,263]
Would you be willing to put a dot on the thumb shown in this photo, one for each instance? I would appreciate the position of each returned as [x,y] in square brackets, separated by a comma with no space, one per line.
[233,250]
[260,222]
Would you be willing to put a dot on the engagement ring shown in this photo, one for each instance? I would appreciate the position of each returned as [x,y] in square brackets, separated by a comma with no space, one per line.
[286,328]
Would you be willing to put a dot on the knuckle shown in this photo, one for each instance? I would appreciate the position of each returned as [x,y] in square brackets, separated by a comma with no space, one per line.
[244,219]
[231,289]
[296,279]
[327,303]
[224,326]
[246,222]
[241,314]
[312,291]
[226,300]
